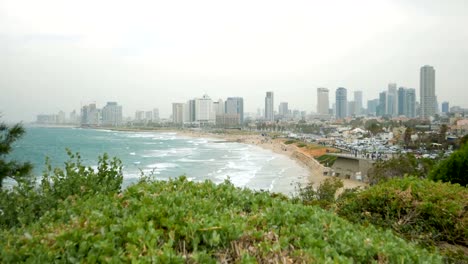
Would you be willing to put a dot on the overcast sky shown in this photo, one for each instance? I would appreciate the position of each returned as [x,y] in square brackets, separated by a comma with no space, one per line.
[58,54]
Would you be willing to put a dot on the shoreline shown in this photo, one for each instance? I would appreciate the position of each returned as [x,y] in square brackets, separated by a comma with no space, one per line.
[277,146]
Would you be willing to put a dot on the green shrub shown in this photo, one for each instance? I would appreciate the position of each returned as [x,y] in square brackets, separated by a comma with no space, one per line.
[399,167]
[324,195]
[179,221]
[290,141]
[27,201]
[301,145]
[454,169]
[430,213]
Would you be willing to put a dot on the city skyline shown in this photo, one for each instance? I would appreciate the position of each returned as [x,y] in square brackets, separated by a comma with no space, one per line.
[60,59]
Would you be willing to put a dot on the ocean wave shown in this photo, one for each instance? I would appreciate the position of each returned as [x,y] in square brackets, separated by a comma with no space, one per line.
[195,160]
[163,165]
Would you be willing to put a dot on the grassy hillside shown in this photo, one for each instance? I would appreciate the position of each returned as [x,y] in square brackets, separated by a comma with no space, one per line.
[185,222]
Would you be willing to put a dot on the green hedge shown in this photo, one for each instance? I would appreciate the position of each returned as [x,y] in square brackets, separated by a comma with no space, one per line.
[431,213]
[179,221]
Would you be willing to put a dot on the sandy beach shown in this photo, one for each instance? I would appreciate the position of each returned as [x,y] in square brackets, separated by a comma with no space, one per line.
[302,157]
[299,155]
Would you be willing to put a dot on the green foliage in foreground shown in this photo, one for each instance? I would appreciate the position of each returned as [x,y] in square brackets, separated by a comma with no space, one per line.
[179,221]
[28,201]
[454,169]
[427,212]
[8,168]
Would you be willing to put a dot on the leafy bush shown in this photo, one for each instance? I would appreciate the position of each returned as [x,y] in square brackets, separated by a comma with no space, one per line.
[430,213]
[399,167]
[301,145]
[454,169]
[27,201]
[324,195]
[179,221]
[290,141]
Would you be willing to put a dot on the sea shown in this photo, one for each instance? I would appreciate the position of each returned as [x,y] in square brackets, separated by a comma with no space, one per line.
[164,155]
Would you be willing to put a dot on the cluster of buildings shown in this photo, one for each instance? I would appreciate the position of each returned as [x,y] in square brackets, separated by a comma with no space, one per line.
[393,102]
[151,116]
[204,111]
[109,115]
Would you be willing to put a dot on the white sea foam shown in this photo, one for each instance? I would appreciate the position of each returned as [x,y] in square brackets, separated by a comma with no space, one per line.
[194,160]
[132,153]
[162,165]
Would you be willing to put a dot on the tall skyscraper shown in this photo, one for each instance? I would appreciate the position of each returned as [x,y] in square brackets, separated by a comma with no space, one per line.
[178,113]
[112,114]
[410,108]
[323,104]
[269,110]
[357,102]
[90,115]
[392,100]
[204,112]
[283,109]
[235,105]
[372,107]
[445,107]
[219,107]
[156,115]
[382,107]
[341,99]
[427,91]
[402,101]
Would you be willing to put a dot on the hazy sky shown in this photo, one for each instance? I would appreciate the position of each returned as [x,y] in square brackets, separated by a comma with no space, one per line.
[58,54]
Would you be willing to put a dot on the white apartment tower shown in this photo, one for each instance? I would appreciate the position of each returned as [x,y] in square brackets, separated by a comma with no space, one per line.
[112,114]
[427,91]
[178,113]
[204,110]
[323,103]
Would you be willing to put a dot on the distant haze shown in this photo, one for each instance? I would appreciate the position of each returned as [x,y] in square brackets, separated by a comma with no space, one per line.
[57,54]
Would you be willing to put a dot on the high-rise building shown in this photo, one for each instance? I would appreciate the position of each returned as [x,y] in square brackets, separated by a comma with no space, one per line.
[372,107]
[323,104]
[410,103]
[219,107]
[149,116]
[382,107]
[283,109]
[341,99]
[90,115]
[139,116]
[235,105]
[392,100]
[445,107]
[351,108]
[178,113]
[74,118]
[156,115]
[269,107]
[427,91]
[357,102]
[204,112]
[402,101]
[112,114]
[189,114]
